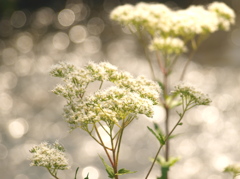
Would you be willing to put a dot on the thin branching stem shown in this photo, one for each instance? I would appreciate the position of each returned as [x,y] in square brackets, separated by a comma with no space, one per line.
[113,153]
[167,138]
[99,142]
[119,143]
[104,147]
[52,173]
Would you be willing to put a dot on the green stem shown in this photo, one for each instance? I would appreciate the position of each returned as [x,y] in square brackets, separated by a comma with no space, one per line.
[54,175]
[101,85]
[94,138]
[104,147]
[167,138]
[167,132]
[76,173]
[113,154]
[119,143]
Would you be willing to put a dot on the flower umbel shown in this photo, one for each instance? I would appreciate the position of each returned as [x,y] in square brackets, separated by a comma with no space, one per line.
[109,108]
[130,96]
[50,156]
[190,96]
[225,14]
[168,45]
[159,19]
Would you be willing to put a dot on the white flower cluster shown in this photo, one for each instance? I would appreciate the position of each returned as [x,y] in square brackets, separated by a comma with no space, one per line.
[151,16]
[159,19]
[130,96]
[194,20]
[191,96]
[226,15]
[50,156]
[168,45]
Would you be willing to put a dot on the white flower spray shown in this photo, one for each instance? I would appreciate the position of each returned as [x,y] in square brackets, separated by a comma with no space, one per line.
[50,156]
[111,109]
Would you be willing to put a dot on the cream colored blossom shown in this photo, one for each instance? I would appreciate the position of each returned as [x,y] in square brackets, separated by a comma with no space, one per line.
[50,156]
[226,15]
[168,45]
[194,20]
[158,19]
[127,98]
[191,96]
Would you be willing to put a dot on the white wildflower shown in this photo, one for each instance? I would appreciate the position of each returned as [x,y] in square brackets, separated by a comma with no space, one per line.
[123,14]
[194,20]
[50,156]
[168,45]
[158,19]
[61,69]
[191,96]
[129,97]
[226,15]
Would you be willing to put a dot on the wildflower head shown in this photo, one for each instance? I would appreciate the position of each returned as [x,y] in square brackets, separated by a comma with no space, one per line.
[126,98]
[225,14]
[50,156]
[190,96]
[168,45]
[158,19]
[195,20]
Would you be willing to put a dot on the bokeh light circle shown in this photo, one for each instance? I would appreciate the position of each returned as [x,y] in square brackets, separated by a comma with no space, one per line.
[24,42]
[18,19]
[78,34]
[92,45]
[18,127]
[66,17]
[44,17]
[61,41]
[95,26]
[92,171]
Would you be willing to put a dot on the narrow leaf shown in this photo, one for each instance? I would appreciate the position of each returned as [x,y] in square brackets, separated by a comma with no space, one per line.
[159,137]
[86,176]
[76,174]
[124,171]
[157,128]
[108,168]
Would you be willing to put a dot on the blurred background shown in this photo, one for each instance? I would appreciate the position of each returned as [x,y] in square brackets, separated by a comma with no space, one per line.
[34,35]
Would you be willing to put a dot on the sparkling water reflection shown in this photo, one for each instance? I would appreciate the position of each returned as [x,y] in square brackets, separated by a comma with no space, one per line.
[29,113]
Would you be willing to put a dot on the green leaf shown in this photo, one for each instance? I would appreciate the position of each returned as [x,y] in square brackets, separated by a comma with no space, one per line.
[161,85]
[160,137]
[77,172]
[163,163]
[124,171]
[108,168]
[173,136]
[157,128]
[86,176]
